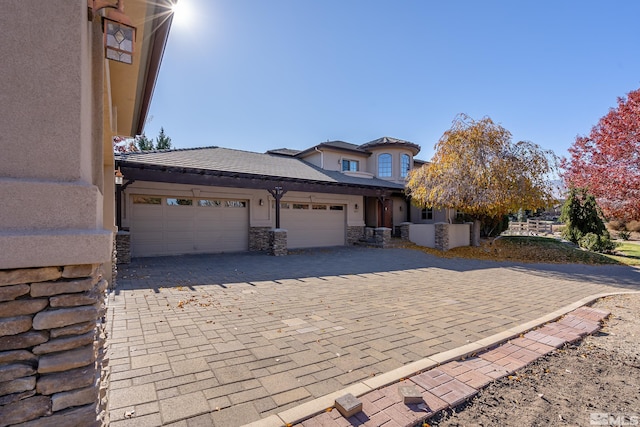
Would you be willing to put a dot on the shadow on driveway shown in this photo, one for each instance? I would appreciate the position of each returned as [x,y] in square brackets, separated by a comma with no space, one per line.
[246,267]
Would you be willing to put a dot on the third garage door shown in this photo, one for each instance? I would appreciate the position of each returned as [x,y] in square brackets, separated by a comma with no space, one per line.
[311,225]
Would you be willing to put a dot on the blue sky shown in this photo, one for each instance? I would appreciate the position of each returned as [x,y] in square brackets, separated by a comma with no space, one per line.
[256,75]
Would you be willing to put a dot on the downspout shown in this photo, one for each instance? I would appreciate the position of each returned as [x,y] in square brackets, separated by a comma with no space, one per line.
[321,157]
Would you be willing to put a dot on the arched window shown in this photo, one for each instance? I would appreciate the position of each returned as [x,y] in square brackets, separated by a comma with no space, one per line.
[384,165]
[405,165]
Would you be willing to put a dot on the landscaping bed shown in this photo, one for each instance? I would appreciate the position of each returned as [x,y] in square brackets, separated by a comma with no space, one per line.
[573,386]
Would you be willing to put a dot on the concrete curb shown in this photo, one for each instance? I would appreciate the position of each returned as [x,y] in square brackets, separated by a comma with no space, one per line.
[319,405]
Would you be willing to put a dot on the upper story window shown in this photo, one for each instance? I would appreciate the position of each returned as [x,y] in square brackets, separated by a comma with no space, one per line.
[405,165]
[350,165]
[384,165]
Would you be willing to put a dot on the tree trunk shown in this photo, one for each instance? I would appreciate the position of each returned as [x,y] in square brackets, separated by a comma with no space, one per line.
[475,233]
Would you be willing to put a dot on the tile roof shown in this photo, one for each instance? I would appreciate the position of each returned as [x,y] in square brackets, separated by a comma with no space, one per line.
[246,162]
[386,140]
[341,144]
[284,152]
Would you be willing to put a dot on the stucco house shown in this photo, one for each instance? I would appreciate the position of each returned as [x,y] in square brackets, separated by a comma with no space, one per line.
[70,83]
[215,199]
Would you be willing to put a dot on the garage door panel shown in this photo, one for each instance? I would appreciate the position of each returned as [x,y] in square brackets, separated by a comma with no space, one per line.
[162,229]
[314,227]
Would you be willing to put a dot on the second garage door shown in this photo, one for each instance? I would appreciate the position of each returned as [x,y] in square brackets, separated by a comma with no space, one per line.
[311,225]
[173,225]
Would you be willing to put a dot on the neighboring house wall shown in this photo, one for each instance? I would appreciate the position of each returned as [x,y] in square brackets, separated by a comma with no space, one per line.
[439,215]
[53,237]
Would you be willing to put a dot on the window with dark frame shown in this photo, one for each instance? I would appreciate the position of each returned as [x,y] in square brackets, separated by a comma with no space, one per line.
[350,165]
[405,165]
[427,213]
[384,165]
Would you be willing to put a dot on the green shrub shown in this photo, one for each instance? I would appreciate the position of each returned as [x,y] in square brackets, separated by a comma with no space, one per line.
[596,243]
[624,235]
[633,226]
[581,215]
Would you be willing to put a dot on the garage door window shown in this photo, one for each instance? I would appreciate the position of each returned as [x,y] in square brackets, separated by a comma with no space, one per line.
[283,205]
[146,200]
[207,203]
[179,202]
[319,207]
[300,206]
[236,204]
[336,208]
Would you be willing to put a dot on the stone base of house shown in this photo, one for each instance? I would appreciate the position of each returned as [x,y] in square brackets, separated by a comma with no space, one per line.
[51,346]
[259,238]
[355,233]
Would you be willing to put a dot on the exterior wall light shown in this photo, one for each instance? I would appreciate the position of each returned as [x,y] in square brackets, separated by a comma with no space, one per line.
[261,202]
[119,33]
[119,177]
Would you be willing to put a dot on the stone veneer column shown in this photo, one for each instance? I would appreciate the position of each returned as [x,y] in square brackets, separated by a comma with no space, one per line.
[259,238]
[354,234]
[442,236]
[123,247]
[51,346]
[404,230]
[277,242]
[382,237]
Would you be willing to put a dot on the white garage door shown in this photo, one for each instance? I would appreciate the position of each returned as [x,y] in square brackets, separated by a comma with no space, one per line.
[174,225]
[312,225]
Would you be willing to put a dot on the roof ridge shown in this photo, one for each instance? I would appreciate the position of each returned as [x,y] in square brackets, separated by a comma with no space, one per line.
[169,150]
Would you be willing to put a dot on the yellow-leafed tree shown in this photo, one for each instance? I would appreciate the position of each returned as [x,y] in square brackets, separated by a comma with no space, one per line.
[478,170]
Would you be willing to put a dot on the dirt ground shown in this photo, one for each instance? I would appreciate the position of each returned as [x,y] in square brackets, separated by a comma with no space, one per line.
[578,385]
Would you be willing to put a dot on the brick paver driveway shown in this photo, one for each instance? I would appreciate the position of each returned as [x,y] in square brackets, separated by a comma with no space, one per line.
[228,339]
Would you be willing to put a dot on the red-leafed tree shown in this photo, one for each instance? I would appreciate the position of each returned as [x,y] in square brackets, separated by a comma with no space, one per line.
[607,161]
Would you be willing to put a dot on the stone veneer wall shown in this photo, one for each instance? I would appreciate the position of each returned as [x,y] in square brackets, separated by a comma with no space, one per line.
[51,346]
[277,242]
[442,236]
[123,247]
[354,234]
[259,238]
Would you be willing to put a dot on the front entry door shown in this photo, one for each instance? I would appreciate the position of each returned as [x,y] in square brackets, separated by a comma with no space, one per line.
[385,213]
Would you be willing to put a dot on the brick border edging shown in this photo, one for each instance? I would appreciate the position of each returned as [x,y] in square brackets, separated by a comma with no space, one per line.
[448,367]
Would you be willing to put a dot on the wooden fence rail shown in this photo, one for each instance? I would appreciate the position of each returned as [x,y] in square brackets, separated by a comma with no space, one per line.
[530,228]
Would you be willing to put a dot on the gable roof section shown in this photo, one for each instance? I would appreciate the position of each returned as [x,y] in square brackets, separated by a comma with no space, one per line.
[334,145]
[236,164]
[284,152]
